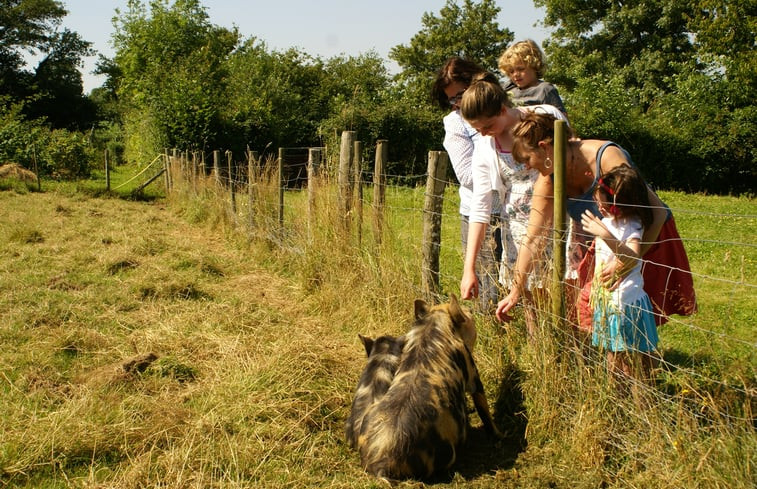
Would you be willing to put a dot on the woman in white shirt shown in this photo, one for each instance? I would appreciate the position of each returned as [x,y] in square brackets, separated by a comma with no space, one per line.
[488,109]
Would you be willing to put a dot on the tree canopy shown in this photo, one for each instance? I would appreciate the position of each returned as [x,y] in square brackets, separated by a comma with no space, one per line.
[674,80]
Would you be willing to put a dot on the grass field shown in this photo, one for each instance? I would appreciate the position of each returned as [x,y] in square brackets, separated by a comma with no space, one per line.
[165,343]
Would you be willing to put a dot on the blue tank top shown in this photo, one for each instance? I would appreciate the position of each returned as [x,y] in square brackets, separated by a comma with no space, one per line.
[578,205]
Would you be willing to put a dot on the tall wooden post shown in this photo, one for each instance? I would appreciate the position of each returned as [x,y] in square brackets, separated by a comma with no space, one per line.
[560,203]
[345,185]
[357,172]
[432,222]
[217,167]
[379,188]
[282,185]
[232,183]
[314,163]
[252,157]
[167,169]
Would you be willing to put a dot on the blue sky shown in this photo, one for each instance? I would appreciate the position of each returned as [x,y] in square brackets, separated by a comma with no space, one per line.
[319,27]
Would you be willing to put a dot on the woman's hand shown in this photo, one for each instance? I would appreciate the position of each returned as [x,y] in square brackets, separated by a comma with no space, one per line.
[505,305]
[469,285]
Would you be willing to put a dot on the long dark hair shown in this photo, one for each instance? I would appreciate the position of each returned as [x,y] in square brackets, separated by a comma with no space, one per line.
[626,189]
[455,70]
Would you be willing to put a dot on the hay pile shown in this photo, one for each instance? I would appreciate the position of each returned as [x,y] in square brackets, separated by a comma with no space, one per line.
[17,172]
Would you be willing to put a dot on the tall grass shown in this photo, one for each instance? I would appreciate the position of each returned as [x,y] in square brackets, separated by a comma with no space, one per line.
[255,332]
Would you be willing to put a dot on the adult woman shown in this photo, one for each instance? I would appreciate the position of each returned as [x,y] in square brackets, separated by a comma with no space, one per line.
[670,287]
[459,139]
[497,177]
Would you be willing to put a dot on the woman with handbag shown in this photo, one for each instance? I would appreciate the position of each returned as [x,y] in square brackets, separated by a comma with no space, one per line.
[666,270]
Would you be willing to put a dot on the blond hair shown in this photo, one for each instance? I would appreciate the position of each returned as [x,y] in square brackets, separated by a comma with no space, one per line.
[526,52]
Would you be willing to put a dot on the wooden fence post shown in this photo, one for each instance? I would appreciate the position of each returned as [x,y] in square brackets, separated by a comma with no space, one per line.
[282,184]
[230,164]
[379,188]
[314,164]
[217,167]
[357,172]
[558,247]
[345,187]
[432,222]
[167,168]
[252,157]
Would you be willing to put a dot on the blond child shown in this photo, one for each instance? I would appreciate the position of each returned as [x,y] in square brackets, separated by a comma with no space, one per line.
[524,65]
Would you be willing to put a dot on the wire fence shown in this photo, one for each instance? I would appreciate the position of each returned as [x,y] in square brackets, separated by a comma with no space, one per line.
[723,257]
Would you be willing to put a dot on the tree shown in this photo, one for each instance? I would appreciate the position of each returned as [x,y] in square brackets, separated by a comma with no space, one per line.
[171,65]
[25,25]
[642,42]
[673,80]
[58,84]
[470,31]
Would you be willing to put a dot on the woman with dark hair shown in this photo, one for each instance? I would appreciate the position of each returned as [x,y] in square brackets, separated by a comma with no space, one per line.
[459,139]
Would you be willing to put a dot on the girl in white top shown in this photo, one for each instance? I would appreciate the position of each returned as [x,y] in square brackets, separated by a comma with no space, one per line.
[623,324]
[486,106]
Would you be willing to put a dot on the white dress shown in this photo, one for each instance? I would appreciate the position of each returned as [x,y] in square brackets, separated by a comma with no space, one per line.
[497,171]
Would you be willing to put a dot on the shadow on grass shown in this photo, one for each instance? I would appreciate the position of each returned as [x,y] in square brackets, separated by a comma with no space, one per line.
[484,455]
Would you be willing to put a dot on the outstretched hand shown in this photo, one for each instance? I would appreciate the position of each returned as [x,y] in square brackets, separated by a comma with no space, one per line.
[505,305]
[469,286]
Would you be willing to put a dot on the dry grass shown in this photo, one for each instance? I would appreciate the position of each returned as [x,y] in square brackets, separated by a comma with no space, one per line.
[255,335]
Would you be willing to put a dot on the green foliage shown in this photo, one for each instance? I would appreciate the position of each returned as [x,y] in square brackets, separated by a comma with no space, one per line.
[274,98]
[672,81]
[171,67]
[56,153]
[54,89]
[470,31]
[24,25]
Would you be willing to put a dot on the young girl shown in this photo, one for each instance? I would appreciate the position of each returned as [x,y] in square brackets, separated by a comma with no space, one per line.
[524,65]
[623,324]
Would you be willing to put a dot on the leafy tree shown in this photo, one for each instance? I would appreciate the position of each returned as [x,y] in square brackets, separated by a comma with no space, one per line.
[25,25]
[171,65]
[275,98]
[672,80]
[470,31]
[55,87]
[644,42]
[58,84]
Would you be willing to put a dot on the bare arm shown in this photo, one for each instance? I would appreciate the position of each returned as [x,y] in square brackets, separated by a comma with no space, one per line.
[469,282]
[538,220]
[614,157]
[660,214]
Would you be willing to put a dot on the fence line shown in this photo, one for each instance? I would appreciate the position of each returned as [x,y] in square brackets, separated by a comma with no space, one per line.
[439,206]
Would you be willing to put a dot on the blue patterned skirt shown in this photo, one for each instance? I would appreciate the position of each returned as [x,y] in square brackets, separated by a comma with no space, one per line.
[631,329]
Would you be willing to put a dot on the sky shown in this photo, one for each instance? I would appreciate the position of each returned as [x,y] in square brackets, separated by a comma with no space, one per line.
[324,28]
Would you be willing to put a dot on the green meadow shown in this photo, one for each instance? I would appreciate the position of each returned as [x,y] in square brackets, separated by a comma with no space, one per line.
[169,341]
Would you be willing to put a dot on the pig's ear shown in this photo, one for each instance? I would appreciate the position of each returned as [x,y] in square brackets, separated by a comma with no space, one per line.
[367,343]
[455,311]
[421,309]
